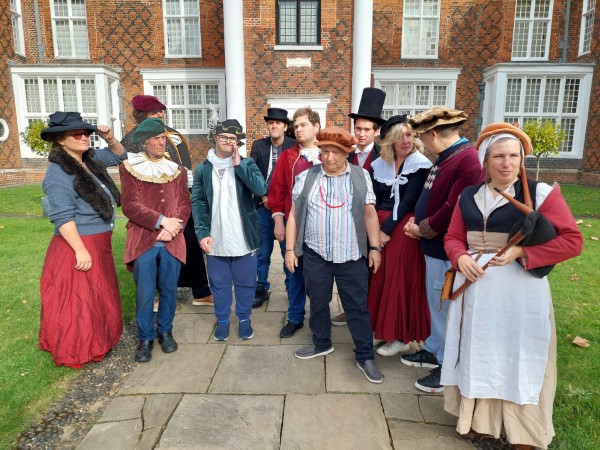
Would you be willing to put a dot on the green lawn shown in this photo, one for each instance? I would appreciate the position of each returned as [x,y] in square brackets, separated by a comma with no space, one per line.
[29,381]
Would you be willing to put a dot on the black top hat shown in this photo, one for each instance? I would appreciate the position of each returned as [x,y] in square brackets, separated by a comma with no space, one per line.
[277,114]
[371,105]
[63,121]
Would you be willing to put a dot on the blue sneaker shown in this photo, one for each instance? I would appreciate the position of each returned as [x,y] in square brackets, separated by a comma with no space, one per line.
[222,331]
[246,331]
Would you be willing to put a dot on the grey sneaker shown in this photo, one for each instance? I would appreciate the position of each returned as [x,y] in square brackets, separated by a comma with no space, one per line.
[311,352]
[370,370]
[422,358]
[431,383]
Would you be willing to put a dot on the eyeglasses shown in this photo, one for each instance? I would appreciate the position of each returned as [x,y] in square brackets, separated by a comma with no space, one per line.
[227,139]
[78,135]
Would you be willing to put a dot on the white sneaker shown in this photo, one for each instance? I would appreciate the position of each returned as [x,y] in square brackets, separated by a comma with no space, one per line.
[393,348]
[377,341]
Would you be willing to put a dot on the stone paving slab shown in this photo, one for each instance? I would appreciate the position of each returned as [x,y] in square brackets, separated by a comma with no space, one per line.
[188,370]
[432,408]
[344,376]
[123,408]
[187,308]
[334,421]
[267,370]
[403,407]
[193,328]
[410,436]
[225,422]
[122,435]
[158,409]
[149,439]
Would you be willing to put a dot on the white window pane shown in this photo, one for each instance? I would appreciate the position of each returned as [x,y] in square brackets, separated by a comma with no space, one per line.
[568,126]
[80,38]
[440,95]
[32,95]
[429,37]
[532,95]
[16,28]
[422,93]
[551,95]
[308,23]
[522,9]
[412,8]
[63,38]
[404,94]
[88,96]
[69,95]
[51,95]
[410,37]
[78,8]
[196,119]
[174,46]
[542,9]
[538,46]
[194,94]
[287,22]
[177,118]
[212,94]
[513,95]
[190,7]
[178,95]
[571,96]
[160,92]
[390,94]
[61,8]
[520,38]
[172,7]
[430,7]
[192,37]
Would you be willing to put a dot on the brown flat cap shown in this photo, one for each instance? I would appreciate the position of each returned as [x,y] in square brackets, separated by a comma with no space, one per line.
[435,117]
[502,127]
[338,137]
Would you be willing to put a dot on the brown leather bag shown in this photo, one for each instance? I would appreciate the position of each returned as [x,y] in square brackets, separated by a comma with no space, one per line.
[448,284]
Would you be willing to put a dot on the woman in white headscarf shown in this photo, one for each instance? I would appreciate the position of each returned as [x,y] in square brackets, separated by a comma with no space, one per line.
[499,374]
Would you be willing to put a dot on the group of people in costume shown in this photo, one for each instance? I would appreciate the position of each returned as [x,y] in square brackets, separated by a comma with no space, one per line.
[380,219]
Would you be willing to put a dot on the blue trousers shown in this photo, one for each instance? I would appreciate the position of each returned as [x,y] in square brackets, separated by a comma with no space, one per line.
[239,271]
[434,280]
[352,279]
[155,266]
[263,254]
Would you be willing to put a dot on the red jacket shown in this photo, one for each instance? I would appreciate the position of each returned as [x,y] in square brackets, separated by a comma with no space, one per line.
[143,203]
[284,177]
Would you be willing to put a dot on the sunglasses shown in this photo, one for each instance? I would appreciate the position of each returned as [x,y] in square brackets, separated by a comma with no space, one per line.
[78,135]
[227,139]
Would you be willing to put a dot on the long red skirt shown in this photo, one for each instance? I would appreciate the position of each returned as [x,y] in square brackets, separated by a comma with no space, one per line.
[397,297]
[81,316]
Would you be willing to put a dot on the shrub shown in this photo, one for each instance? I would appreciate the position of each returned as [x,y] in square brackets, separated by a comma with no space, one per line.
[546,138]
[31,137]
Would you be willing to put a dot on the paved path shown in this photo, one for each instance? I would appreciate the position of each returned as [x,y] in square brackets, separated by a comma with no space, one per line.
[256,395]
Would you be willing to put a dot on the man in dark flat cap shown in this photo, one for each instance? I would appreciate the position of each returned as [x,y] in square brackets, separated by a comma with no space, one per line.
[265,152]
[456,167]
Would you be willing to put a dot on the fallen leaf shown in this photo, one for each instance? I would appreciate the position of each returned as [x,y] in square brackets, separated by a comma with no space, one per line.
[588,225]
[574,277]
[594,238]
[579,222]
[581,342]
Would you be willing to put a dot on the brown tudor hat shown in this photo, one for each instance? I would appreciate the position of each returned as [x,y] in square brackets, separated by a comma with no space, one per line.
[338,137]
[435,117]
[502,127]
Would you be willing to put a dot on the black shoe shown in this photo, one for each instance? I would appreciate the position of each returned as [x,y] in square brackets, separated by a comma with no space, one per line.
[261,296]
[431,383]
[422,358]
[144,351]
[167,343]
[289,329]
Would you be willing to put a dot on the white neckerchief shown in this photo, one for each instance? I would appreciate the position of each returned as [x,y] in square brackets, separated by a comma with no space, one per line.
[362,155]
[311,154]
[218,163]
[145,169]
[385,173]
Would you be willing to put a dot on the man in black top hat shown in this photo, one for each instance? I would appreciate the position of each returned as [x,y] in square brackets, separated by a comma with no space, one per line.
[366,123]
[265,152]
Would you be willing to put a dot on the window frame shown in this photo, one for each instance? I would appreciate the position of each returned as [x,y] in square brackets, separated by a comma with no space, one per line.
[182,18]
[106,83]
[298,45]
[443,77]
[587,11]
[421,18]
[496,83]
[16,14]
[72,39]
[154,77]
[531,21]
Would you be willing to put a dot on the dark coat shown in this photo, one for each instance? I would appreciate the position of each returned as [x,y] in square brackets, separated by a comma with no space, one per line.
[261,154]
[372,156]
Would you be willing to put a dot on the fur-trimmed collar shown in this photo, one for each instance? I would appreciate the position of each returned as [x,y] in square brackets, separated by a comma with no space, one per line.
[84,184]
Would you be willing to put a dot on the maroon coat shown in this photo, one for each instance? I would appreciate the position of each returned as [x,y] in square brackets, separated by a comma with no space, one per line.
[143,203]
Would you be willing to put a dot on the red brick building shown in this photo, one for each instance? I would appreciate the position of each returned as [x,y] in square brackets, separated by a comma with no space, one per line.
[509,60]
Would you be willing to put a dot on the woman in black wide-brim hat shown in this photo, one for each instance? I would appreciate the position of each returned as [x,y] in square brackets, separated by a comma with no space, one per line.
[499,371]
[81,317]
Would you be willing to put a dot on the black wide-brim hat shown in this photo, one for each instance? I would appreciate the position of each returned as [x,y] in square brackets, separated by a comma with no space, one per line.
[394,120]
[277,114]
[63,121]
[371,106]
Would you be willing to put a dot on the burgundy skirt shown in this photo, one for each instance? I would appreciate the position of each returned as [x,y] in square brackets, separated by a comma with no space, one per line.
[397,297]
[81,317]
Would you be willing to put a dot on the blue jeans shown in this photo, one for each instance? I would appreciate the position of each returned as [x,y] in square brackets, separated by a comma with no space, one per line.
[223,271]
[152,266]
[263,254]
[434,279]
[296,293]
[352,279]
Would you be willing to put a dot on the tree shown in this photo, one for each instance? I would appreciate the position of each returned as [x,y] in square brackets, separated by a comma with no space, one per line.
[31,137]
[546,138]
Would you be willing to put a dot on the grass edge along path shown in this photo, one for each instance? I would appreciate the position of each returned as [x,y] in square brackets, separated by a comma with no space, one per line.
[30,383]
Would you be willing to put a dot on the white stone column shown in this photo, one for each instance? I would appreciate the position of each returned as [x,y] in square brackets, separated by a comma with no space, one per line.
[362,49]
[235,76]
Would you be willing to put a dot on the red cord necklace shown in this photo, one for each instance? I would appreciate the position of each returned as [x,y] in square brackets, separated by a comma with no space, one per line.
[325,201]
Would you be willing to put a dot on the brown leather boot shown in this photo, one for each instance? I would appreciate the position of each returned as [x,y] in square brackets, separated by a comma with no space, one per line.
[522,447]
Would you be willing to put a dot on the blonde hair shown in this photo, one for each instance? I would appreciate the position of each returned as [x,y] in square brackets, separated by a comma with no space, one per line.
[395,134]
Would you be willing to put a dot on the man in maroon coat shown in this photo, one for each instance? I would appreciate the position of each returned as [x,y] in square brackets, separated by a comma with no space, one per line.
[156,201]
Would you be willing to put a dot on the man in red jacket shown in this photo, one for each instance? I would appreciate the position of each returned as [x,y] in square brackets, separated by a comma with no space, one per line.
[292,162]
